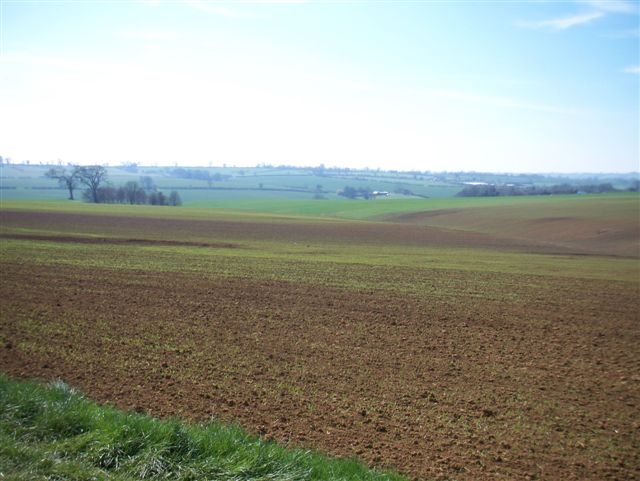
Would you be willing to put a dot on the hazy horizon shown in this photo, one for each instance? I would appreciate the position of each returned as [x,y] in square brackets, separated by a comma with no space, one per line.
[309,167]
[439,86]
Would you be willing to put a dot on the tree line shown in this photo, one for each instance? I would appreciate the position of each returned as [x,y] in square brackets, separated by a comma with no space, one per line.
[354,192]
[506,190]
[98,191]
[198,174]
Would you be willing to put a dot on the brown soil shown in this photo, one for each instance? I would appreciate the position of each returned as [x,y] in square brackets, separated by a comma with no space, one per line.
[597,235]
[540,384]
[202,231]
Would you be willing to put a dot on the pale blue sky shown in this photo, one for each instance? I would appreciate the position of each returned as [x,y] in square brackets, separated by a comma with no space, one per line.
[486,86]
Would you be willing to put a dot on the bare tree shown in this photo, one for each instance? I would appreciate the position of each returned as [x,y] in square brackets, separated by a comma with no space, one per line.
[174,198]
[147,183]
[66,178]
[92,176]
[132,192]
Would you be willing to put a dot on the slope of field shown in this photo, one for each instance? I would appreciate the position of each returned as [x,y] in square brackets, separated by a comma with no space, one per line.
[597,224]
[36,225]
[606,225]
[395,208]
[434,351]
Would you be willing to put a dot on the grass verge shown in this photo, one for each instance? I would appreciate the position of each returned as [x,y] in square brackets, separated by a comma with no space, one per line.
[53,432]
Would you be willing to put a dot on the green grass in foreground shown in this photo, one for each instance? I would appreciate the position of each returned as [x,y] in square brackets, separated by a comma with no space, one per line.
[52,432]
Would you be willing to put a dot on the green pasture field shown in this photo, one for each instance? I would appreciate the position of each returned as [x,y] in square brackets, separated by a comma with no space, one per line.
[502,209]
[595,205]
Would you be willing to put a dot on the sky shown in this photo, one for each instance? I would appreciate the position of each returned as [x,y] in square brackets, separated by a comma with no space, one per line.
[406,85]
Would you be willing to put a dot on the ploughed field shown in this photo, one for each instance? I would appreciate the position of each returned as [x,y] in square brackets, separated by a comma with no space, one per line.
[440,352]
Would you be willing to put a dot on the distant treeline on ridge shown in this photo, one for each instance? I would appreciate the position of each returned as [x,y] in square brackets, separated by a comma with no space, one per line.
[132,193]
[484,190]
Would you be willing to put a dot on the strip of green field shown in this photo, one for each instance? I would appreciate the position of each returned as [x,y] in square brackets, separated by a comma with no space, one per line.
[381,208]
[52,432]
[400,269]
[159,212]
[587,205]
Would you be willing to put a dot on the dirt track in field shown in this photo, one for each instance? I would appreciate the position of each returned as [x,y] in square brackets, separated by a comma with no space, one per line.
[542,384]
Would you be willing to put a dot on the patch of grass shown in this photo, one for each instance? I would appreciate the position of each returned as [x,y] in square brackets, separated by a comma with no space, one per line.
[52,432]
